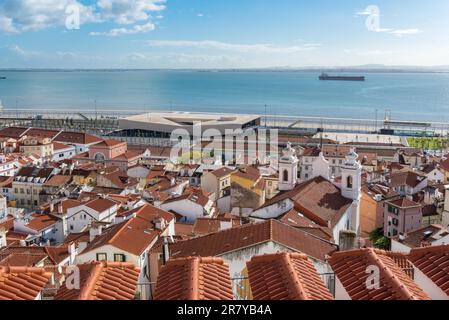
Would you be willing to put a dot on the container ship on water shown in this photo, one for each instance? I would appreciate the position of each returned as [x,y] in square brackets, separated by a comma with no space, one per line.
[326,77]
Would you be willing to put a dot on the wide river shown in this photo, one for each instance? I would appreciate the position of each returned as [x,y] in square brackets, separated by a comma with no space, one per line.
[408,96]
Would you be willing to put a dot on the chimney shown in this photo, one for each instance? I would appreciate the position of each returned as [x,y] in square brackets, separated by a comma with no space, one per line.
[95,231]
[52,206]
[60,208]
[166,251]
[72,253]
[402,237]
[159,224]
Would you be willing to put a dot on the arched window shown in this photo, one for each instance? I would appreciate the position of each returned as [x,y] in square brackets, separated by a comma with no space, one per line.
[285,177]
[349,182]
[99,157]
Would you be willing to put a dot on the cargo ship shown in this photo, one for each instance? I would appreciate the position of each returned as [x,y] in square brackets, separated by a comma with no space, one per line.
[327,77]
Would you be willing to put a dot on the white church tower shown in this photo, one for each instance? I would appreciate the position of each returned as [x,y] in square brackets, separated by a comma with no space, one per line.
[351,187]
[351,176]
[288,169]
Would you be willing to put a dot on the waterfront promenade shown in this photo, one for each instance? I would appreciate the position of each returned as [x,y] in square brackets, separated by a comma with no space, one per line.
[106,121]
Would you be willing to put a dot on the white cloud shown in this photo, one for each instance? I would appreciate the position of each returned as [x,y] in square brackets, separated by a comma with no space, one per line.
[402,32]
[126,12]
[32,15]
[17,50]
[17,16]
[122,31]
[217,45]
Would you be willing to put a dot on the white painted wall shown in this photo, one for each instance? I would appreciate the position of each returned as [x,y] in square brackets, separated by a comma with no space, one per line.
[273,211]
[190,210]
[340,291]
[429,287]
[396,246]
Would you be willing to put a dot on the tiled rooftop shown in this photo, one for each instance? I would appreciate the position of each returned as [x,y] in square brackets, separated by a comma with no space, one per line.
[238,238]
[351,268]
[22,283]
[135,234]
[194,278]
[103,281]
[286,276]
[317,199]
[434,263]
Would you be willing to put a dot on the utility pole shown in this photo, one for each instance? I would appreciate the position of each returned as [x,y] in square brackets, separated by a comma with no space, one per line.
[265,116]
[375,123]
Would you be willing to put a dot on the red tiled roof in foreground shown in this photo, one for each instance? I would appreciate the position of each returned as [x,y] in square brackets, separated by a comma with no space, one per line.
[286,276]
[21,283]
[103,281]
[194,278]
[352,269]
[434,263]
[226,241]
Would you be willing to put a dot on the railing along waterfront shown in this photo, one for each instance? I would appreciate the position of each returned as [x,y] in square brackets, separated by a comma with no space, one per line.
[108,120]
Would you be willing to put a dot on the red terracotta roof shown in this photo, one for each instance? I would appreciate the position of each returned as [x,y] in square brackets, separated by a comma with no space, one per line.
[249,173]
[434,263]
[60,146]
[194,278]
[21,283]
[109,143]
[351,268]
[7,224]
[77,138]
[13,132]
[135,234]
[445,165]
[57,181]
[5,181]
[41,222]
[43,133]
[238,238]
[404,203]
[103,281]
[195,196]
[55,255]
[311,152]
[317,199]
[205,226]
[408,178]
[100,204]
[222,172]
[286,276]
[184,229]
[423,237]
[21,259]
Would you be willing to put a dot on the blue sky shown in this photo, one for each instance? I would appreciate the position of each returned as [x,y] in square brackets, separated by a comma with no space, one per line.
[222,33]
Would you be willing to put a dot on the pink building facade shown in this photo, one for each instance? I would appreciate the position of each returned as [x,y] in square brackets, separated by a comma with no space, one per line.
[401,217]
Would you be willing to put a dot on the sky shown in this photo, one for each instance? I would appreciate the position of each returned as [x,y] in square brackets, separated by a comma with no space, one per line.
[222,33]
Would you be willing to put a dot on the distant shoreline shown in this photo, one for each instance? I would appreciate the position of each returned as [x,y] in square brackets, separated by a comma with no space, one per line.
[312,70]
